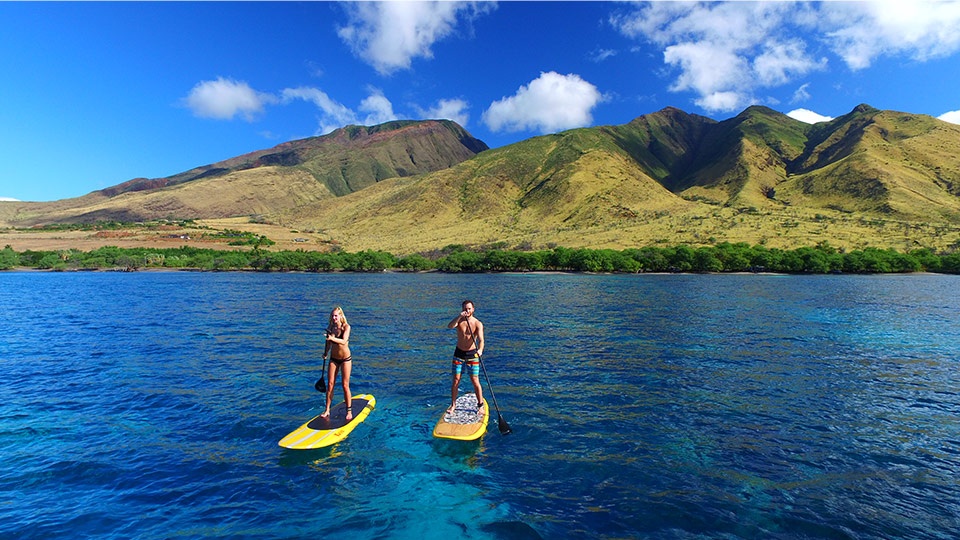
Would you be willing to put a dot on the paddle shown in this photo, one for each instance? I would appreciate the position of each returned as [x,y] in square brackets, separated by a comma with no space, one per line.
[321,384]
[501,423]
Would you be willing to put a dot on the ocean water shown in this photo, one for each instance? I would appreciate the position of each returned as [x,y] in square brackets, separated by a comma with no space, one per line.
[149,405]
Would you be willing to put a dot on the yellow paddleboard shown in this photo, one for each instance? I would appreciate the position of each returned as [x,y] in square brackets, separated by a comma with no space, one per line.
[466,423]
[320,432]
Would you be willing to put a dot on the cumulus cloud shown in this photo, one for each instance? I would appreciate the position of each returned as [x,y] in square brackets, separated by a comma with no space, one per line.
[378,109]
[859,32]
[223,99]
[550,103]
[726,52]
[8,199]
[808,116]
[333,114]
[953,117]
[389,35]
[448,109]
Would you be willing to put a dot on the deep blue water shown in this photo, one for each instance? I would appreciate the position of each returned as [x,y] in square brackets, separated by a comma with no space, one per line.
[149,405]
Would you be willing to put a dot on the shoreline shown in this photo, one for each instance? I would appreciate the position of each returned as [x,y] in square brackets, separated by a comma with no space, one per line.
[119,270]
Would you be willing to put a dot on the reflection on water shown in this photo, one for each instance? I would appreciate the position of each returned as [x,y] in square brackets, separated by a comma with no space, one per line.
[659,406]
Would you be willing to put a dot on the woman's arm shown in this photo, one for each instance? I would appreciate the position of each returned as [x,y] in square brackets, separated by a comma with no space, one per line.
[342,340]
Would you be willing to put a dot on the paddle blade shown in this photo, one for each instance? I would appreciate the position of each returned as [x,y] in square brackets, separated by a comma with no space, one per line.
[503,426]
[321,385]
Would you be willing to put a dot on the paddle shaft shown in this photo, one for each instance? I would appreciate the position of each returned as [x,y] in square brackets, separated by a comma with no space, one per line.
[502,424]
[321,385]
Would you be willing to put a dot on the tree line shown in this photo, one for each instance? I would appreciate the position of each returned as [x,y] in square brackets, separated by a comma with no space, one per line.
[723,257]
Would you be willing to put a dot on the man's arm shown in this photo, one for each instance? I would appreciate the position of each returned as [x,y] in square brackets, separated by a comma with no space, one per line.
[455,320]
[479,336]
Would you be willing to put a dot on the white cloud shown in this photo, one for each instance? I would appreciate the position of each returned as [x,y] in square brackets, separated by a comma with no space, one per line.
[224,99]
[801,94]
[449,109]
[808,116]
[953,117]
[389,35]
[859,32]
[378,109]
[602,54]
[332,113]
[781,62]
[723,101]
[705,67]
[335,115]
[550,103]
[725,51]
[8,199]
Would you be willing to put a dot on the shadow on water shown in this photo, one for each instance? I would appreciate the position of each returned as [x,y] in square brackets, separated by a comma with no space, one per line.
[319,456]
[465,452]
[511,530]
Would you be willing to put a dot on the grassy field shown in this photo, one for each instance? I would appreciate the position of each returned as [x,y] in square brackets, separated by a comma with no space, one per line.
[703,225]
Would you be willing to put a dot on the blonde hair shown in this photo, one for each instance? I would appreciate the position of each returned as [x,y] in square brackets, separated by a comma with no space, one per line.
[343,317]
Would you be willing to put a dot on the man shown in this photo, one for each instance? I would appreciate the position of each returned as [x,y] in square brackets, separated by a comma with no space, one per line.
[469,350]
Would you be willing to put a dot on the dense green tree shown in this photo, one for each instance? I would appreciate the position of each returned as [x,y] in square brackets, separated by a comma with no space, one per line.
[734,257]
[415,263]
[499,261]
[460,261]
[723,257]
[650,259]
[531,261]
[231,260]
[680,258]
[706,260]
[950,263]
[175,261]
[559,259]
[763,259]
[587,260]
[811,261]
[320,262]
[48,261]
[928,260]
[622,262]
[371,261]
[9,258]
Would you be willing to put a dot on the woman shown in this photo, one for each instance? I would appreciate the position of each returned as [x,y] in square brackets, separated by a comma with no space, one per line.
[338,339]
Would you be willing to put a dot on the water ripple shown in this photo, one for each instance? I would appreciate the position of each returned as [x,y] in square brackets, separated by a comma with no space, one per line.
[148,405]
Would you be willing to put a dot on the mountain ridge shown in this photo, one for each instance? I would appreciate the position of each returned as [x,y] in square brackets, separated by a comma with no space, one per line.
[668,176]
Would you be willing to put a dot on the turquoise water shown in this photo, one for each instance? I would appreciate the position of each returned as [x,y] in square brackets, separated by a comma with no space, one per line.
[149,405]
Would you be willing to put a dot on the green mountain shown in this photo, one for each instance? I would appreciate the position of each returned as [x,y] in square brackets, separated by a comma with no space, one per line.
[871,177]
[269,181]
[347,159]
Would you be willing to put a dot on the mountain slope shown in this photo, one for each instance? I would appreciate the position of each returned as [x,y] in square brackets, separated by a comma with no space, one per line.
[882,162]
[347,159]
[269,181]
[758,177]
[883,178]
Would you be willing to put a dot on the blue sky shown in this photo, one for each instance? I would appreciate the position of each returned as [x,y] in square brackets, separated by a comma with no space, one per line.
[95,94]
